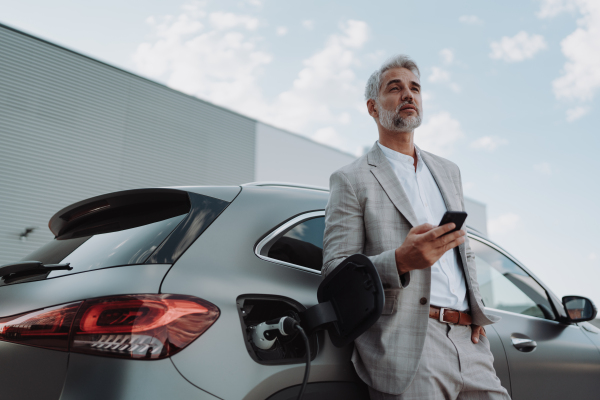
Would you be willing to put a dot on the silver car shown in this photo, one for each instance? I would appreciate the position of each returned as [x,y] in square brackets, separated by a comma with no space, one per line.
[156,294]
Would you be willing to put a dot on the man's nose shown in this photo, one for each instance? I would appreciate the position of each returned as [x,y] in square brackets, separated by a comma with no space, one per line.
[407,95]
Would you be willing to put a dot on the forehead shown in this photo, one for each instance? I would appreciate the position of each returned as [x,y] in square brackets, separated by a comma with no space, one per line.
[403,74]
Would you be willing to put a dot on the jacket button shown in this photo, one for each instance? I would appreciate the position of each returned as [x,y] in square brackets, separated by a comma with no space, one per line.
[423,300]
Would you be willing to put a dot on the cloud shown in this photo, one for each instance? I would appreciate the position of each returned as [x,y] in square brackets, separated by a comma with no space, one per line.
[592,256]
[439,75]
[488,143]
[543,168]
[439,133]
[227,20]
[328,136]
[551,8]
[281,31]
[308,24]
[455,87]
[470,20]
[503,224]
[326,87]
[447,56]
[580,79]
[427,96]
[576,113]
[221,57]
[518,48]
[215,56]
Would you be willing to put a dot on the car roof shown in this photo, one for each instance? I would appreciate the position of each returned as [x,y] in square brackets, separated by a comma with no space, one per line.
[323,189]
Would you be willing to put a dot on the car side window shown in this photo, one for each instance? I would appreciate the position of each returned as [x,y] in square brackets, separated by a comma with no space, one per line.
[299,244]
[506,286]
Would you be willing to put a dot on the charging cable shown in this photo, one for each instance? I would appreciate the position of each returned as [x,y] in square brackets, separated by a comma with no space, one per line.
[265,333]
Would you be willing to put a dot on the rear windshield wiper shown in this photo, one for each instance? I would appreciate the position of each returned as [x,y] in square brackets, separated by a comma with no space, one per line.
[31,268]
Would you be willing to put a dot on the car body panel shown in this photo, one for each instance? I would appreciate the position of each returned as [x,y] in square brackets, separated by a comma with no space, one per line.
[130,279]
[592,332]
[325,390]
[499,353]
[44,369]
[213,271]
[102,378]
[565,363]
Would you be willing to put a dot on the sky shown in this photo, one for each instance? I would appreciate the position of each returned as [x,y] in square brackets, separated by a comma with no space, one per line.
[510,91]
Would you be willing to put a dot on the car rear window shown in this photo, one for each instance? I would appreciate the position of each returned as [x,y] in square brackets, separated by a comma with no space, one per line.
[130,246]
[137,229]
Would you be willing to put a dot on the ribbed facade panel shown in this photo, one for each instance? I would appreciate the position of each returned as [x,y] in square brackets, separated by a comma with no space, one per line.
[72,127]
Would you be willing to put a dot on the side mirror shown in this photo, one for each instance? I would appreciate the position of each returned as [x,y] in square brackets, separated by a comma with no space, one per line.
[579,309]
[351,300]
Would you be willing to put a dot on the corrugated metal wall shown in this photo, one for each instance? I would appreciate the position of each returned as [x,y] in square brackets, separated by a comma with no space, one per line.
[72,127]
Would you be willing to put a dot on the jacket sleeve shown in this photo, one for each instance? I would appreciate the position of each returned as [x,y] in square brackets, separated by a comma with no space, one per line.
[345,233]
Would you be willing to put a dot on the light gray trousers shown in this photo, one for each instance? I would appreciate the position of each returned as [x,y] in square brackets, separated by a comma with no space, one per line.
[452,367]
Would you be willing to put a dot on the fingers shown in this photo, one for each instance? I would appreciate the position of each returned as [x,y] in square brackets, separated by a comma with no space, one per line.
[435,233]
[456,242]
[420,229]
[450,241]
[475,329]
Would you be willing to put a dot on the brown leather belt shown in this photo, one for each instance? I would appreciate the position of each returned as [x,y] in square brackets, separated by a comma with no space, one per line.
[449,315]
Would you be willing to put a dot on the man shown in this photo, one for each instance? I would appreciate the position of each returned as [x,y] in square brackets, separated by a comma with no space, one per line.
[386,205]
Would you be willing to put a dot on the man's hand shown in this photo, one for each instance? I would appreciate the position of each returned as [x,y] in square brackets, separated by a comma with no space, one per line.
[424,245]
[477,330]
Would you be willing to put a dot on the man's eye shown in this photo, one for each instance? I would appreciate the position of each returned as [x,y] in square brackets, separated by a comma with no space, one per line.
[394,88]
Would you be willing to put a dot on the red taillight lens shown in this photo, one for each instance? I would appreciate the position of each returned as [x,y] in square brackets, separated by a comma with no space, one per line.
[132,326]
[48,328]
[141,326]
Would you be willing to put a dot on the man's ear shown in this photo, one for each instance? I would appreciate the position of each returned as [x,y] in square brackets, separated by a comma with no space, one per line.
[372,108]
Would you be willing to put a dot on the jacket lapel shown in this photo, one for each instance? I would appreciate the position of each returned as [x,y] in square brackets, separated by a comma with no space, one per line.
[443,182]
[450,199]
[383,172]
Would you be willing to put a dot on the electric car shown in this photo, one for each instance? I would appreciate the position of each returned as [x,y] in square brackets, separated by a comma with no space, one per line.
[156,294]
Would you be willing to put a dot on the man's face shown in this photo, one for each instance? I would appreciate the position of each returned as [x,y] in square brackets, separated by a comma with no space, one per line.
[399,106]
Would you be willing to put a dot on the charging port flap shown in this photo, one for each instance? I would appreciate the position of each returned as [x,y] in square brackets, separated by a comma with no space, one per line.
[351,300]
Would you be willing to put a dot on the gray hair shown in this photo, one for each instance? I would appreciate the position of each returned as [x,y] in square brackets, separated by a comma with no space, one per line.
[398,61]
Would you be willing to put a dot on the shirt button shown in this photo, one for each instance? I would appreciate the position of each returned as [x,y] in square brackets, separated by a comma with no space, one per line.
[423,300]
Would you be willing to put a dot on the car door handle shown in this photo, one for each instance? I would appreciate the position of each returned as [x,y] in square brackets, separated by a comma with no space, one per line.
[523,344]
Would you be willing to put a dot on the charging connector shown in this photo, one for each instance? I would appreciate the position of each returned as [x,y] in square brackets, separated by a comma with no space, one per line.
[265,334]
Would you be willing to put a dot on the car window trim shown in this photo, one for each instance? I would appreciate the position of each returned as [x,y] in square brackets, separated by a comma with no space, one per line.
[523,268]
[555,322]
[278,231]
[510,257]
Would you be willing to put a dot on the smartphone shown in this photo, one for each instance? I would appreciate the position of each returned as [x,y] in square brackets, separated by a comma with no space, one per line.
[458,217]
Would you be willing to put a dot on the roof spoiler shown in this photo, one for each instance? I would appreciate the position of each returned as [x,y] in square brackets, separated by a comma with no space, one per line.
[127,206]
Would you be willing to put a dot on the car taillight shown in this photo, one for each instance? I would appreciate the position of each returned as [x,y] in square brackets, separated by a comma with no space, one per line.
[130,326]
[48,328]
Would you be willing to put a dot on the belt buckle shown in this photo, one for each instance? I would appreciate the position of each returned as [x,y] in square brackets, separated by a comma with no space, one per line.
[442,309]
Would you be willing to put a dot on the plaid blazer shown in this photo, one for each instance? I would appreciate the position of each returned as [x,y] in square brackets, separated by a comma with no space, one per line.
[368,212]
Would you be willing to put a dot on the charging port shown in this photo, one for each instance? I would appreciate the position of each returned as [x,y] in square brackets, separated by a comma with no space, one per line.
[284,349]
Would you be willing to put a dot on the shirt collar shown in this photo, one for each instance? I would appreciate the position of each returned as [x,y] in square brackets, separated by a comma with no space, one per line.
[403,158]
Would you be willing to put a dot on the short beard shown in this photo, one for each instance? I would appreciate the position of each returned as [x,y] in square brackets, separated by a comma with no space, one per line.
[391,120]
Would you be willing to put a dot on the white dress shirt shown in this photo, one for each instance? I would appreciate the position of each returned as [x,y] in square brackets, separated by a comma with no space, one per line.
[448,288]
